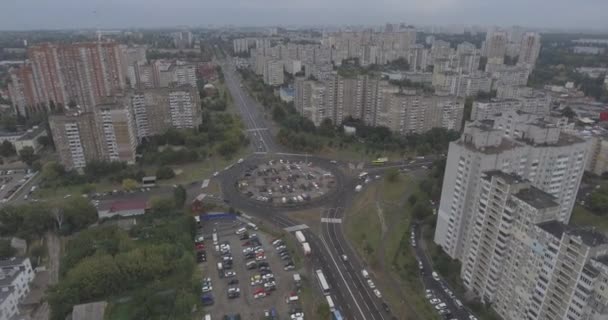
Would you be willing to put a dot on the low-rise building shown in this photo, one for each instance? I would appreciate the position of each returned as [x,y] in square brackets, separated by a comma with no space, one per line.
[16,274]
[122,208]
[30,139]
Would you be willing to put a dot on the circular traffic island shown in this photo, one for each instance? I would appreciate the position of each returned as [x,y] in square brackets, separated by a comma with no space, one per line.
[286,182]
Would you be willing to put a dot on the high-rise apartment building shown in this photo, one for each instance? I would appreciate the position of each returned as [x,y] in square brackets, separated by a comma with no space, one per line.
[76,139]
[182,39]
[156,110]
[484,110]
[24,93]
[113,129]
[507,206]
[310,100]
[116,131]
[554,271]
[414,112]
[529,49]
[377,103]
[524,262]
[80,73]
[532,147]
[495,46]
[273,73]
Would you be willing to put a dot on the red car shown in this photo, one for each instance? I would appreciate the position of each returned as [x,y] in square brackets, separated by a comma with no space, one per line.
[258,290]
[200,246]
[246,243]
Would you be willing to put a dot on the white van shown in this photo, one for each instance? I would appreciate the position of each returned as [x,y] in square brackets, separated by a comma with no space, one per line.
[365,274]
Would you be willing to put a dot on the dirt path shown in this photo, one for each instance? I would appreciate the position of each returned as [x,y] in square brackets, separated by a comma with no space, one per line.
[53,243]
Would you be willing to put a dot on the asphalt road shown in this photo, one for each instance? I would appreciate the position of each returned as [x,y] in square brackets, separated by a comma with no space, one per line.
[437,287]
[349,289]
[252,113]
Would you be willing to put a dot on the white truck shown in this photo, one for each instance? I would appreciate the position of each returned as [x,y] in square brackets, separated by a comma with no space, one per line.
[297,279]
[306,248]
[300,236]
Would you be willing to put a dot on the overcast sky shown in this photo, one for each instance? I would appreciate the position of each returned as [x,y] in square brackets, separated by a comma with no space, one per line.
[56,14]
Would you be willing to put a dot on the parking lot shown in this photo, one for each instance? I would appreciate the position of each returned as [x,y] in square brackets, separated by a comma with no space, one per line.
[244,274]
[286,182]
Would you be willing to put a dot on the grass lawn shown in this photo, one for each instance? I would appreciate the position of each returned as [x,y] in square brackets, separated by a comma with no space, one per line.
[585,218]
[58,194]
[364,228]
[356,152]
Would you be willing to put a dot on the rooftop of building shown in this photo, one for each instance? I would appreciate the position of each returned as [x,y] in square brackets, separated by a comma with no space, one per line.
[32,133]
[12,262]
[5,292]
[507,177]
[7,277]
[589,236]
[124,205]
[537,198]
[603,259]
[89,311]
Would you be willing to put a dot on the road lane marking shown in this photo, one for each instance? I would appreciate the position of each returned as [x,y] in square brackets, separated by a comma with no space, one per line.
[342,276]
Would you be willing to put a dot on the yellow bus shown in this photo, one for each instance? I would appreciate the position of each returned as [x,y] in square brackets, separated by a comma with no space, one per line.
[380,161]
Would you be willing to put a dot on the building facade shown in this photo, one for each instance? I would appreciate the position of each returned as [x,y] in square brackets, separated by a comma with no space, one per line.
[530,147]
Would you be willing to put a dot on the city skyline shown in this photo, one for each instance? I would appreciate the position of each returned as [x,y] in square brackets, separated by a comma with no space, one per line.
[39,14]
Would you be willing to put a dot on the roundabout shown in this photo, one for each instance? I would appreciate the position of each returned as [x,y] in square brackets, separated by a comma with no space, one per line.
[282,182]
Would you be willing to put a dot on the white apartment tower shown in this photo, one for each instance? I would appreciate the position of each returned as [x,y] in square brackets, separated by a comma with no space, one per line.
[273,73]
[532,148]
[117,129]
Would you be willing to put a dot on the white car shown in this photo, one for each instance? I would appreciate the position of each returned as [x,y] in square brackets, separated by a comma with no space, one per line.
[207,288]
[377,293]
[344,258]
[259,295]
[260,258]
[229,274]
[435,301]
[371,284]
[240,160]
[441,306]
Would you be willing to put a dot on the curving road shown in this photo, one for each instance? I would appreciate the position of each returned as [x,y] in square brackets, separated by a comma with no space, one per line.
[350,291]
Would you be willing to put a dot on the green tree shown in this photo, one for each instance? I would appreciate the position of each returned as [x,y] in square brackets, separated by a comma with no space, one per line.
[45,141]
[7,149]
[164,173]
[392,175]
[327,128]
[598,201]
[28,155]
[5,249]
[179,196]
[129,184]
[422,210]
[163,206]
[412,199]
